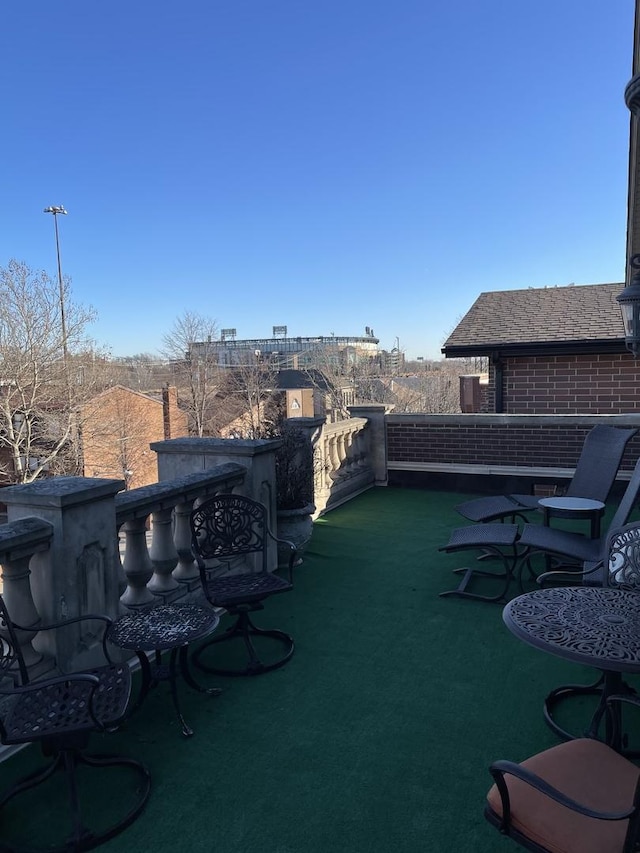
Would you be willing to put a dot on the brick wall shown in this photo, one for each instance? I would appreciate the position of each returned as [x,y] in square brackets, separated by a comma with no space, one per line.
[495,442]
[117,428]
[568,384]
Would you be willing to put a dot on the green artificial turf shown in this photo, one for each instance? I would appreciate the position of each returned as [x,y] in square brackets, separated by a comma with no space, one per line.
[377,735]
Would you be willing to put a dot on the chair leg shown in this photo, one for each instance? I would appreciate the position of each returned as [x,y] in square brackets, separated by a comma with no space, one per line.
[245,629]
[82,838]
[187,731]
[31,781]
[144,789]
[606,685]
[469,573]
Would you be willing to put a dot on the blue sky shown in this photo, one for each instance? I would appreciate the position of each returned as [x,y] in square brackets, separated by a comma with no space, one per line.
[321,164]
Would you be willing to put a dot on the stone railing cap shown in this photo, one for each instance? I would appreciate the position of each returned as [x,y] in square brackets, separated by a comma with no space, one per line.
[228,446]
[61,491]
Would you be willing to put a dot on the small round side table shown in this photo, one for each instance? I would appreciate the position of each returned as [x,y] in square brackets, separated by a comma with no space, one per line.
[165,628]
[578,508]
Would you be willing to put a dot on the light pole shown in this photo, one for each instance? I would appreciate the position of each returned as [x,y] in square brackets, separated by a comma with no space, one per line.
[55,210]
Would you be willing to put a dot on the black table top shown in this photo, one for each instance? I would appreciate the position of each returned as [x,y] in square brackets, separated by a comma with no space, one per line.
[166,626]
[599,627]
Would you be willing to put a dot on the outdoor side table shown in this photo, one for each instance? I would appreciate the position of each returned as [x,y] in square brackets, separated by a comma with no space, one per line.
[595,626]
[578,508]
[165,628]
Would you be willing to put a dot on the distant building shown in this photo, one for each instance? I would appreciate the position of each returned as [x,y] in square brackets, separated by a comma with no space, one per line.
[117,426]
[310,395]
[551,350]
[286,352]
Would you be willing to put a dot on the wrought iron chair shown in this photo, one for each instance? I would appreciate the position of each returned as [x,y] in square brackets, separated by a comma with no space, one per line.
[593,478]
[225,531]
[60,713]
[577,797]
[517,547]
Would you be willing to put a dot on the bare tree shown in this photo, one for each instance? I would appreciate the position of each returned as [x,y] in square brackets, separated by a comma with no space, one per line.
[343,377]
[434,387]
[116,430]
[196,371]
[143,372]
[252,385]
[37,383]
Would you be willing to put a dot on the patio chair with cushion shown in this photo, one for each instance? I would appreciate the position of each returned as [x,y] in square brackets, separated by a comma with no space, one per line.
[229,539]
[593,478]
[577,797]
[518,547]
[60,713]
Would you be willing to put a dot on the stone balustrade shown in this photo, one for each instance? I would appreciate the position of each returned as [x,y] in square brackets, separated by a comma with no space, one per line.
[343,462]
[165,570]
[76,545]
[60,556]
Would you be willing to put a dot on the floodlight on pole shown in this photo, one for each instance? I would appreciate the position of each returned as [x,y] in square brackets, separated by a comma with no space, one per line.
[55,210]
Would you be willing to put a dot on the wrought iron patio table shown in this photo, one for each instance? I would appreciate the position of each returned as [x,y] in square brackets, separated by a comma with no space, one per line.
[595,626]
[165,628]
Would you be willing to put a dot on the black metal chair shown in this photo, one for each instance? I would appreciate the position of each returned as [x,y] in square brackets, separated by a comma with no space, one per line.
[227,532]
[60,713]
[593,478]
[577,797]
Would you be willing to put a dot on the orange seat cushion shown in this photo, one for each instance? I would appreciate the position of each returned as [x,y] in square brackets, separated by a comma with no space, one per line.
[589,772]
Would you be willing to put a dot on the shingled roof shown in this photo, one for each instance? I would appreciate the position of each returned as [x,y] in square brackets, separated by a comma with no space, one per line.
[577,318]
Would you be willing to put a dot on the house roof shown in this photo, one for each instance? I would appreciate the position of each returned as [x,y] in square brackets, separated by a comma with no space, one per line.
[577,318]
[290,379]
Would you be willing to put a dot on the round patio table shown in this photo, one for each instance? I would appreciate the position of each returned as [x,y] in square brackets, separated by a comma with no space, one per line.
[578,508]
[598,627]
[165,628]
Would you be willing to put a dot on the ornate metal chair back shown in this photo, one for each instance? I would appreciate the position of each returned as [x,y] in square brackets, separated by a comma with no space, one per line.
[229,526]
[623,557]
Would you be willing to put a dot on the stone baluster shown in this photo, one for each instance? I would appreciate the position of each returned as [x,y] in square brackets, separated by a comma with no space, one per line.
[186,570]
[351,455]
[17,596]
[360,449]
[163,553]
[19,541]
[334,458]
[137,565]
[342,454]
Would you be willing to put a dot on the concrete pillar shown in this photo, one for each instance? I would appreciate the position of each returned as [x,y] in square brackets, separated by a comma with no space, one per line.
[78,574]
[180,456]
[375,413]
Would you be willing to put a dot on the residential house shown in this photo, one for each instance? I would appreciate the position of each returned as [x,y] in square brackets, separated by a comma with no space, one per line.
[551,350]
[118,425]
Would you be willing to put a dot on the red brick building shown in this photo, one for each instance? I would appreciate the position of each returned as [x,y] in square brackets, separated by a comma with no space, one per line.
[117,427]
[551,350]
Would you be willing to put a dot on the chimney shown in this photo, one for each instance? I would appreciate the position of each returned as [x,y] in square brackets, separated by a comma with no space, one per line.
[169,406]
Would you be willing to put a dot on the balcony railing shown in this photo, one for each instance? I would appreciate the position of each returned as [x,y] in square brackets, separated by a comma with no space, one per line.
[75,545]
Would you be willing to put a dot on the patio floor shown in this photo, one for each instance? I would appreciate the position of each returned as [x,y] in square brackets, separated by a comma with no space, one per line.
[376,735]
